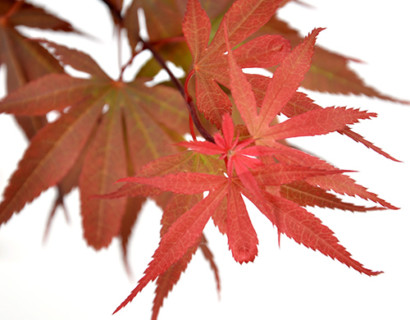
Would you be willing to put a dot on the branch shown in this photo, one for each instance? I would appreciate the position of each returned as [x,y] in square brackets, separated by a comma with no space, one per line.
[179,86]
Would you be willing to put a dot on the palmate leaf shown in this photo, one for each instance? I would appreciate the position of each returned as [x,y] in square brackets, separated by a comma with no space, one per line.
[306,229]
[24,59]
[242,19]
[174,251]
[301,103]
[150,115]
[182,235]
[330,72]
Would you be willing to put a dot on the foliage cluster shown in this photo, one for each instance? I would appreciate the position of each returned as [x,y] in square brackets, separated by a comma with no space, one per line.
[112,130]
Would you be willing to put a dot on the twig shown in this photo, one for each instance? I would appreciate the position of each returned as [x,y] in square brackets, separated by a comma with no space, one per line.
[180,88]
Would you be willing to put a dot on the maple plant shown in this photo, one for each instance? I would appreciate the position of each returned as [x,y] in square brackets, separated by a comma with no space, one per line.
[121,142]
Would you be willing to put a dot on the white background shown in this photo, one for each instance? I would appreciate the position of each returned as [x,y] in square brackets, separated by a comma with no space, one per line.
[65,279]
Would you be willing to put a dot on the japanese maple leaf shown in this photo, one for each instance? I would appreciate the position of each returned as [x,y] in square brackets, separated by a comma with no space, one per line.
[279,92]
[137,125]
[225,193]
[330,71]
[26,60]
[243,19]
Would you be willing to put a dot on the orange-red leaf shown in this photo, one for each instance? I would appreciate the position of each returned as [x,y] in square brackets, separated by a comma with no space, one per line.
[262,52]
[287,79]
[301,103]
[307,195]
[306,229]
[243,19]
[197,28]
[242,239]
[241,91]
[182,235]
[183,182]
[316,122]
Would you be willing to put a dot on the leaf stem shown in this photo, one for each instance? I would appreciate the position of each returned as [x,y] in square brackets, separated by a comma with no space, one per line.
[179,86]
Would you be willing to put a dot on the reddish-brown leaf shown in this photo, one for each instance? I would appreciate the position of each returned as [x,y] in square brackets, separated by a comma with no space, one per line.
[148,116]
[104,163]
[330,71]
[51,92]
[76,59]
[51,154]
[131,24]
[32,16]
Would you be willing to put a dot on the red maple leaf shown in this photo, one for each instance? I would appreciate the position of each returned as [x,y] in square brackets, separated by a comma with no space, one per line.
[262,169]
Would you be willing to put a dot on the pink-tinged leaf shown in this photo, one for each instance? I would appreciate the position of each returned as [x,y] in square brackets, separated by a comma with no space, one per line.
[204,147]
[228,129]
[162,166]
[241,91]
[243,19]
[51,154]
[51,92]
[316,122]
[167,280]
[276,174]
[183,182]
[104,163]
[246,177]
[182,235]
[303,227]
[262,52]
[358,138]
[301,103]
[242,239]
[197,28]
[211,100]
[219,216]
[287,79]
[176,207]
[76,59]
[305,194]
[339,183]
